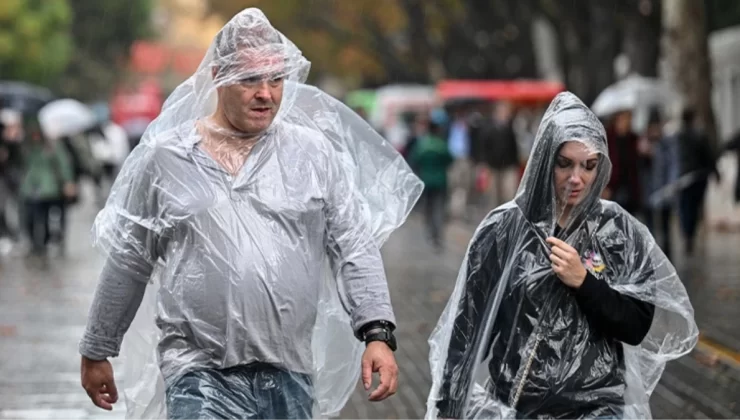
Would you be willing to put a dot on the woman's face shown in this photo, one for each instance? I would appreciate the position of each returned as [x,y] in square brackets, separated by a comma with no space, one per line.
[575,171]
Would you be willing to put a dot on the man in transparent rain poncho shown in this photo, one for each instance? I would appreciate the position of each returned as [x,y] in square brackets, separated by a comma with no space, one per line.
[249,222]
[564,306]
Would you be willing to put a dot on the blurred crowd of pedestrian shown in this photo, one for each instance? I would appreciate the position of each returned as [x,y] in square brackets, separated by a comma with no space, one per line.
[473,160]
[41,174]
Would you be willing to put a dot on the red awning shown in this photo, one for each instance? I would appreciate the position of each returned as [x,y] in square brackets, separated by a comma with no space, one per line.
[496,90]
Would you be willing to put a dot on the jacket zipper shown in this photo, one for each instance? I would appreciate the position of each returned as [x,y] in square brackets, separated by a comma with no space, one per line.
[527,367]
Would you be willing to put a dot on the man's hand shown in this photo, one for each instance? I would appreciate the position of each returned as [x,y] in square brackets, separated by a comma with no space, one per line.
[97,379]
[566,263]
[378,357]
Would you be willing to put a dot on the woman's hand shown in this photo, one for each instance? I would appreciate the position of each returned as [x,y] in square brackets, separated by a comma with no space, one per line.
[566,263]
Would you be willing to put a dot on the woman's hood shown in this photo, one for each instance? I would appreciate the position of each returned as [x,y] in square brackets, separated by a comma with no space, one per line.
[566,119]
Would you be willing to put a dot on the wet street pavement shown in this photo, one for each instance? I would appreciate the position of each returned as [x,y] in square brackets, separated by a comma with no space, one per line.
[43,311]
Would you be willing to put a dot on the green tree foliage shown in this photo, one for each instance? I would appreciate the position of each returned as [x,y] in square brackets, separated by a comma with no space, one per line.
[35,41]
[387,41]
[103,32]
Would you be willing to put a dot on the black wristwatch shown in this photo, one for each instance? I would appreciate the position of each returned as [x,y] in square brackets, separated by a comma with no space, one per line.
[380,331]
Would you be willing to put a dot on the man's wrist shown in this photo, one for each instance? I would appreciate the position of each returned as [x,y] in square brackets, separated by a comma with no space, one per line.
[86,359]
[373,325]
[379,331]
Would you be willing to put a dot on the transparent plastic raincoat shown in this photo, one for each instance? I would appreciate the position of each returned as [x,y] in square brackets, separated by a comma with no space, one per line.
[515,342]
[279,264]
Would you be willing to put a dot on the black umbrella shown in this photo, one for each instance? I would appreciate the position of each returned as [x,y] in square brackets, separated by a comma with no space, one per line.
[24,97]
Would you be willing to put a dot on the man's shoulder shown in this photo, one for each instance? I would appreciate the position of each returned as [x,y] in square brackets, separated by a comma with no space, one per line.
[308,141]
[165,146]
[292,131]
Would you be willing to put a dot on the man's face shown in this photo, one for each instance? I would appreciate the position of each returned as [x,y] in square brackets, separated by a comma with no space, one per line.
[250,98]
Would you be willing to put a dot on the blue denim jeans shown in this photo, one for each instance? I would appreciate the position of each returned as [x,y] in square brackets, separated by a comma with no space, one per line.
[255,391]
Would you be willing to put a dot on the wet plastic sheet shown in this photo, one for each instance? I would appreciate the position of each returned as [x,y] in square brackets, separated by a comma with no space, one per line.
[249,255]
[514,341]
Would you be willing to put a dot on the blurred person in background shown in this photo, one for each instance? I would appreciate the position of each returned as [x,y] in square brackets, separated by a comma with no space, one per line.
[47,179]
[734,145]
[432,159]
[135,129]
[659,168]
[84,165]
[110,147]
[11,136]
[419,128]
[624,184]
[497,151]
[695,157]
[462,174]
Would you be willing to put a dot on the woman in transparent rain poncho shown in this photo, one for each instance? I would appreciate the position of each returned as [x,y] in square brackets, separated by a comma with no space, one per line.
[246,229]
[564,306]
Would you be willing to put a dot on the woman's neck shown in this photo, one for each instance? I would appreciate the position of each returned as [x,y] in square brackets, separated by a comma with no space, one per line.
[563,219]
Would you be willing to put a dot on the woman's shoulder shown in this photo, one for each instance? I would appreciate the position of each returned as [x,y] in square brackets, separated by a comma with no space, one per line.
[498,220]
[619,225]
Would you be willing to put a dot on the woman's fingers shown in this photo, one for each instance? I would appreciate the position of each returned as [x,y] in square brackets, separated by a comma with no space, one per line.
[558,262]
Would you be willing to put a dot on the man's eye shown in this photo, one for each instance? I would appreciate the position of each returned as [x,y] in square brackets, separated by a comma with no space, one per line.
[249,80]
[276,79]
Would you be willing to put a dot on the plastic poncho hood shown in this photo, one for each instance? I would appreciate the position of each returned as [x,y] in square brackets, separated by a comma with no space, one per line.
[241,263]
[512,341]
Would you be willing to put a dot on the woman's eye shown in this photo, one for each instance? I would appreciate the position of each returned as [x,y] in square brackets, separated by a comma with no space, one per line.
[563,163]
[590,166]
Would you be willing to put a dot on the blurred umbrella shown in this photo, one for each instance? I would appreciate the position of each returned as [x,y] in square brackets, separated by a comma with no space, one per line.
[23,97]
[65,117]
[632,93]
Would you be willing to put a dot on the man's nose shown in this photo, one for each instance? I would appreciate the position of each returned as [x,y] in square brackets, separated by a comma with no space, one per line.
[263,91]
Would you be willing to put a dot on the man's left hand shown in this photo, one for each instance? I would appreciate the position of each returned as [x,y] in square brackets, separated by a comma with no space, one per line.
[566,263]
[378,357]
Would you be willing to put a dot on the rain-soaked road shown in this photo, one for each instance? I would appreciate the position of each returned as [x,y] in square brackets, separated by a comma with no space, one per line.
[43,310]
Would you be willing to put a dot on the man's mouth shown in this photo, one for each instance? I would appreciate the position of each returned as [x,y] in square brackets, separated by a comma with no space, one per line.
[260,109]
